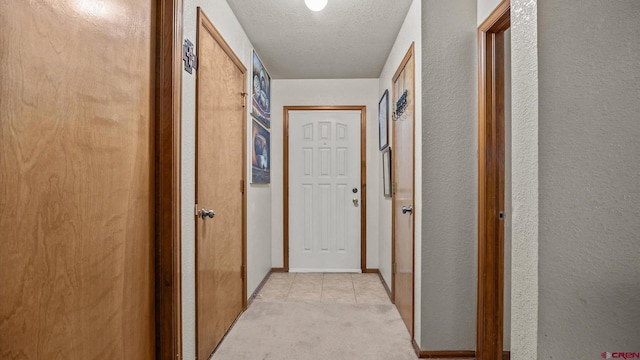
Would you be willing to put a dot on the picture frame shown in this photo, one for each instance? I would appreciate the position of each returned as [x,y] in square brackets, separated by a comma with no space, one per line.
[383,120]
[386,172]
[260,92]
[260,154]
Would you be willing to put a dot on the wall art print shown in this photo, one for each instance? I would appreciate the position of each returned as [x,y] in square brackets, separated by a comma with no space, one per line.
[383,120]
[260,158]
[261,92]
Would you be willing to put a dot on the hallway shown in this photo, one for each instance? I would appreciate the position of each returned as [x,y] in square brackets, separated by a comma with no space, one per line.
[173,171]
[319,316]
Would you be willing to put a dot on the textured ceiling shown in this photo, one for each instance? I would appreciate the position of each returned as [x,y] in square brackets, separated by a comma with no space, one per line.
[348,39]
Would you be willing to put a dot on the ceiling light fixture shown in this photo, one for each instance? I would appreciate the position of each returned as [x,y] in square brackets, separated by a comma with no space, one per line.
[316,5]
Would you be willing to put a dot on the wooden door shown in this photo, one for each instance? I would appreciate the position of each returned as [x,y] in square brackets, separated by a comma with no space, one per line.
[324,185]
[220,188]
[403,195]
[76,180]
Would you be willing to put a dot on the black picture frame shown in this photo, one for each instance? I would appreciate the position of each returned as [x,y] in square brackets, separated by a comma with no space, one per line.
[387,188]
[383,121]
[260,92]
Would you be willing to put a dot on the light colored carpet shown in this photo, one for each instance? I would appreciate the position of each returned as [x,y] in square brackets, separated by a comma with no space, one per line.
[317,331]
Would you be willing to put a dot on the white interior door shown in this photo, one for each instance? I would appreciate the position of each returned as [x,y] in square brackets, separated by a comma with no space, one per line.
[324,191]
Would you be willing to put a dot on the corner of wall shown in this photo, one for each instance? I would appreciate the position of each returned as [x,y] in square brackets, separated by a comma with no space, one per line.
[524,98]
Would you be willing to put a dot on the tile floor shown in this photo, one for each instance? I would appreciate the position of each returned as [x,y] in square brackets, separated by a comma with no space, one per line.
[343,288]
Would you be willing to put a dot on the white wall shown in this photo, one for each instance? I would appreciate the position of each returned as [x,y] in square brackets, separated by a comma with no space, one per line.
[258,197]
[589,189]
[410,32]
[450,171]
[324,92]
[485,8]
[524,179]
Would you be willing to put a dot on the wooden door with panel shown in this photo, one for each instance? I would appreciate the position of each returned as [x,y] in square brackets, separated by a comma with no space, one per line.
[220,278]
[77,179]
[403,192]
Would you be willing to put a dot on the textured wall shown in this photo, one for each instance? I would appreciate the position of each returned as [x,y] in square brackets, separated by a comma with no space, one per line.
[449,174]
[324,92]
[524,179]
[258,197]
[409,33]
[589,128]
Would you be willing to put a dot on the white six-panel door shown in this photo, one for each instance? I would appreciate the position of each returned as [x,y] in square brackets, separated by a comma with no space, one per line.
[324,191]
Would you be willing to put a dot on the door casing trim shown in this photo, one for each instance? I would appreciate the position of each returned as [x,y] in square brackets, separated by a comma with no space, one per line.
[363,177]
[167,227]
[490,301]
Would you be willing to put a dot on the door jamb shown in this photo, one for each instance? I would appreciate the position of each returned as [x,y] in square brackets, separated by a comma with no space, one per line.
[490,303]
[167,227]
[363,179]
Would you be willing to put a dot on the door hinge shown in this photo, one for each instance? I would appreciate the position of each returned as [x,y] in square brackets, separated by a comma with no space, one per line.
[244,98]
[189,56]
[195,210]
[242,186]
[394,187]
[394,268]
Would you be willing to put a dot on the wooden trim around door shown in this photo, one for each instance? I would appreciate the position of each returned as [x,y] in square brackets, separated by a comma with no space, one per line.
[363,178]
[490,311]
[410,53]
[168,89]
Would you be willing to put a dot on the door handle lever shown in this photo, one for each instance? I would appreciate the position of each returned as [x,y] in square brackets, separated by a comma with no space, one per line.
[407,209]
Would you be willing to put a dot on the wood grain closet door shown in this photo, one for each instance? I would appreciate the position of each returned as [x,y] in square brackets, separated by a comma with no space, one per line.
[403,196]
[220,173]
[76,179]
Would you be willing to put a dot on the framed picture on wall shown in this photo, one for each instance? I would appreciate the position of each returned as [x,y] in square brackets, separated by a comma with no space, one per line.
[261,92]
[260,159]
[386,172]
[383,120]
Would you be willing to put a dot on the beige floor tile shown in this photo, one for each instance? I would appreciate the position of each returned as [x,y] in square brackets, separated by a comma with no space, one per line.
[271,295]
[275,290]
[338,297]
[308,277]
[365,278]
[367,285]
[372,299]
[305,291]
[283,275]
[326,288]
[338,288]
[337,277]
[371,295]
[279,283]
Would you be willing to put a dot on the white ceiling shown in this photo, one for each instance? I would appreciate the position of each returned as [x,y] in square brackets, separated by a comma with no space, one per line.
[348,39]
